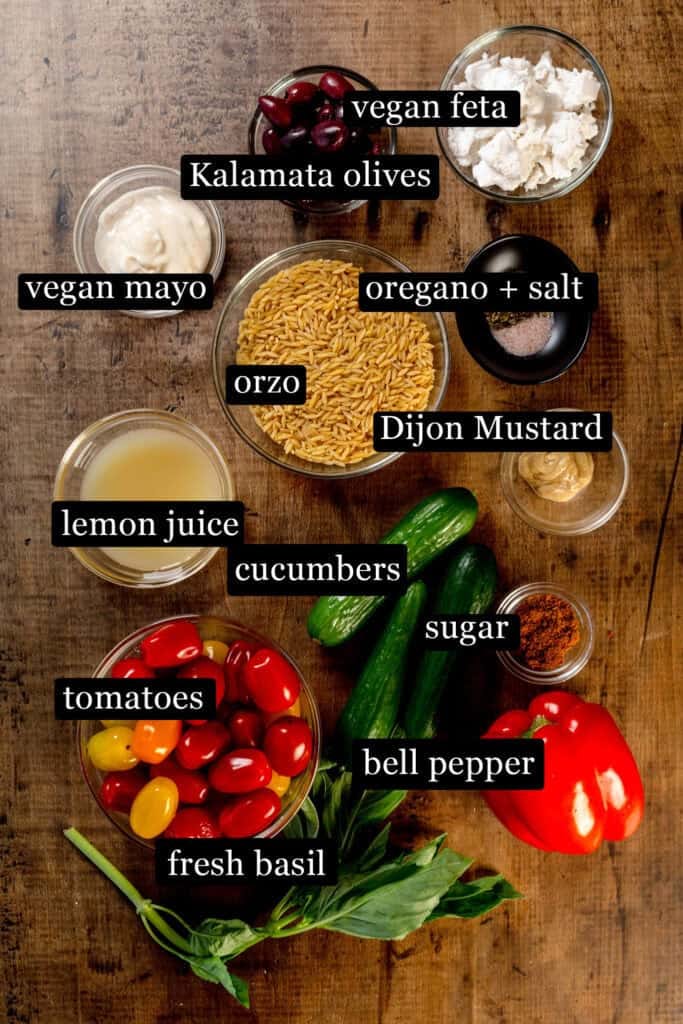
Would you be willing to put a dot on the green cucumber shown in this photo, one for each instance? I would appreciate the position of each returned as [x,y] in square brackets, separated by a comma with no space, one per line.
[467,587]
[427,530]
[372,709]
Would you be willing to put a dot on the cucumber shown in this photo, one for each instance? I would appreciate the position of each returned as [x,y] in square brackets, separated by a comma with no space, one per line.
[372,709]
[467,587]
[427,530]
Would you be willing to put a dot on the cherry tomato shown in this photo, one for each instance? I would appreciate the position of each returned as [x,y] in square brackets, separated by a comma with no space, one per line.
[246,727]
[279,784]
[294,710]
[201,745]
[171,645]
[110,749]
[193,823]
[205,668]
[240,771]
[193,787]
[216,650]
[119,789]
[154,740]
[271,682]
[239,654]
[288,744]
[246,815]
[131,668]
[124,723]
[154,808]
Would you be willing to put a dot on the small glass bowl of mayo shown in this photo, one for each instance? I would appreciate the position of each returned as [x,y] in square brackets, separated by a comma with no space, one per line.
[135,221]
[567,493]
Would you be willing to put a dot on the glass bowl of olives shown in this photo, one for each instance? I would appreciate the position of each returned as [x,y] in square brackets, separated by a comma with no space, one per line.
[304,111]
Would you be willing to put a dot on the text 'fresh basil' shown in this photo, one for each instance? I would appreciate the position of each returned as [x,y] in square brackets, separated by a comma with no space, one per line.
[313,861]
[389,176]
[492,432]
[317,569]
[143,524]
[115,291]
[431,108]
[265,385]
[432,764]
[521,292]
[164,698]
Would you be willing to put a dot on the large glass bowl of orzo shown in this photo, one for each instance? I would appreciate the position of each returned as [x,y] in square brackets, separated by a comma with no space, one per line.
[300,307]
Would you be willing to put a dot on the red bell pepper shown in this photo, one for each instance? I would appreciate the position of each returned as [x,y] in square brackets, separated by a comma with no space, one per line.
[593,790]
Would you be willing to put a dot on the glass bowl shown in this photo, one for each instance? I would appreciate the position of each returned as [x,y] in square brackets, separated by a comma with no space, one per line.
[127,180]
[225,351]
[89,443]
[227,631]
[531,41]
[589,510]
[577,656]
[259,122]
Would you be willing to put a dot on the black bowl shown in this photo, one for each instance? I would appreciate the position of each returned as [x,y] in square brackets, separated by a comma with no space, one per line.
[570,330]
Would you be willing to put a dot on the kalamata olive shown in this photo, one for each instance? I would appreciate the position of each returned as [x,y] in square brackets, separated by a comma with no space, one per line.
[376,148]
[335,85]
[295,137]
[329,136]
[301,92]
[339,111]
[271,142]
[359,141]
[325,112]
[278,111]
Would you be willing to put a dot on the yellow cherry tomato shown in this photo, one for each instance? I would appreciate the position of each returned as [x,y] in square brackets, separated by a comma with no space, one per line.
[294,710]
[110,749]
[153,741]
[216,650]
[279,783]
[110,723]
[154,808]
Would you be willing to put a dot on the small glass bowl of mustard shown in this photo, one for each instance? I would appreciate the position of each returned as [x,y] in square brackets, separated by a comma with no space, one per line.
[575,657]
[588,510]
[119,183]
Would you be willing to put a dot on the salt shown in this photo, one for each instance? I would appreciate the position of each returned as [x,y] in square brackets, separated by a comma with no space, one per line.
[526,337]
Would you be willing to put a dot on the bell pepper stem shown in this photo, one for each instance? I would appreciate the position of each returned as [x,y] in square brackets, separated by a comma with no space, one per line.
[538,723]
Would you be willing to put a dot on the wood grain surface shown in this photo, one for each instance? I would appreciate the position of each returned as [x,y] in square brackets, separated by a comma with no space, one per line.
[91,87]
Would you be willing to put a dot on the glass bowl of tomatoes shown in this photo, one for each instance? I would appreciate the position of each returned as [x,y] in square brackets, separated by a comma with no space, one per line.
[243,773]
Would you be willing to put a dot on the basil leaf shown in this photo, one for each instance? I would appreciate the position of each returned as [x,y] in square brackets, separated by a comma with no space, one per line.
[335,812]
[375,852]
[472,899]
[377,805]
[214,937]
[211,968]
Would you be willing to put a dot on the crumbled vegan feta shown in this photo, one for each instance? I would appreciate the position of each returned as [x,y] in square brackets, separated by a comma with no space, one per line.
[557,123]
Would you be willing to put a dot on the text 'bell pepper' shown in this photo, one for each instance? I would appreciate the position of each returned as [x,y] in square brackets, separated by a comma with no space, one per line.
[593,790]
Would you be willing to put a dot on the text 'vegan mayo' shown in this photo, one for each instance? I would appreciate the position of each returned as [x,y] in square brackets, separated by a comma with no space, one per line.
[153,231]
[556,476]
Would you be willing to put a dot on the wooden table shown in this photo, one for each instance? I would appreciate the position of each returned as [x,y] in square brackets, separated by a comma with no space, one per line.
[90,88]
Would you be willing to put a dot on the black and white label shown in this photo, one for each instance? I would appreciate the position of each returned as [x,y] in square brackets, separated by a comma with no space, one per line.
[115,291]
[431,108]
[492,432]
[516,292]
[448,632]
[160,698]
[411,176]
[317,569]
[265,385]
[183,861]
[431,764]
[143,524]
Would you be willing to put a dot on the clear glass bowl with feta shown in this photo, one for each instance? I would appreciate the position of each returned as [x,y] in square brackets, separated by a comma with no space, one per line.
[566,123]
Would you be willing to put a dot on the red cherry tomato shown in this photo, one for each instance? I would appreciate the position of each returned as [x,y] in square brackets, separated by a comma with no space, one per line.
[193,787]
[240,771]
[205,668]
[131,668]
[154,740]
[288,744]
[200,745]
[246,815]
[238,655]
[271,682]
[193,823]
[246,727]
[171,645]
[119,789]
